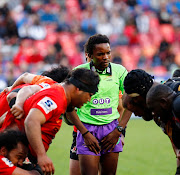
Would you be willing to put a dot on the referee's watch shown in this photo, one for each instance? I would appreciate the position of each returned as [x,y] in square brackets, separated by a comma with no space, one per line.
[120,128]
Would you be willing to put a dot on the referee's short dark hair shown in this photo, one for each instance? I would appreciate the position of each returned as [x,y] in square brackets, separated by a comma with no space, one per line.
[93,40]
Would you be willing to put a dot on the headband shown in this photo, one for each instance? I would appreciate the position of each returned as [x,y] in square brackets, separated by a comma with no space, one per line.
[134,95]
[82,86]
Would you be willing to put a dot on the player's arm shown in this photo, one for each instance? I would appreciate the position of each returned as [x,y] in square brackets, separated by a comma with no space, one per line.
[33,122]
[22,79]
[176,150]
[90,141]
[110,141]
[20,171]
[121,110]
[22,95]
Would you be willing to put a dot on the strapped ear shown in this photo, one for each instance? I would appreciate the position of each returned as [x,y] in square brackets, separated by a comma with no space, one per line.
[90,56]
[77,89]
[3,151]
[164,103]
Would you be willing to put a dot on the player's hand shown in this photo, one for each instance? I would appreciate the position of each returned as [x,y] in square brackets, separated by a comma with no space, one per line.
[46,165]
[17,111]
[92,143]
[7,89]
[109,142]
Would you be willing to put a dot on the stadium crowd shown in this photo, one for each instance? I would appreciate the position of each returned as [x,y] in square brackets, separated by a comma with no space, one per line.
[36,34]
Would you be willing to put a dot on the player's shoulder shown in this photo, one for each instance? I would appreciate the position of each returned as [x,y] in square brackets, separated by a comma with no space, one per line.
[175,106]
[85,65]
[118,69]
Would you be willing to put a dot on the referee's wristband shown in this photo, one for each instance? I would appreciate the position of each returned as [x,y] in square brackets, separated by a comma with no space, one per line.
[85,133]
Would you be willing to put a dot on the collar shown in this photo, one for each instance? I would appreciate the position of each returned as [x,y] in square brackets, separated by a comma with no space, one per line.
[108,70]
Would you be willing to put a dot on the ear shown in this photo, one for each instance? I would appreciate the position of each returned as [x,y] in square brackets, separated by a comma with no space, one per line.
[3,151]
[90,56]
[164,103]
[78,90]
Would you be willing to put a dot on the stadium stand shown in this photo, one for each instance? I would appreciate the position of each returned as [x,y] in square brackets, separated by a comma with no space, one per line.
[36,34]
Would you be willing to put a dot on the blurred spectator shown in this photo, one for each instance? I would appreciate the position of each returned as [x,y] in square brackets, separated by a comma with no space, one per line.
[33,31]
[156,61]
[116,58]
[9,26]
[131,3]
[163,15]
[27,8]
[37,34]
[171,4]
[47,15]
[130,31]
[89,22]
[3,80]
[142,22]
[50,58]
[27,54]
[83,4]
[142,62]
[117,22]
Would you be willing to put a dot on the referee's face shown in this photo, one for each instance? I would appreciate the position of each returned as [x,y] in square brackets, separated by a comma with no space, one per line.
[101,56]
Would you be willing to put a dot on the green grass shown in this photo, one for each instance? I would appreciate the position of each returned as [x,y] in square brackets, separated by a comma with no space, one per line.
[147,151]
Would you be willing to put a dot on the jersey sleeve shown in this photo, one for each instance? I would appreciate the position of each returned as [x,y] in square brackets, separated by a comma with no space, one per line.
[36,79]
[39,79]
[47,105]
[121,79]
[6,166]
[51,102]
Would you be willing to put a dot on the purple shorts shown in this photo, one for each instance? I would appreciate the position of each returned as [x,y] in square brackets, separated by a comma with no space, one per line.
[99,131]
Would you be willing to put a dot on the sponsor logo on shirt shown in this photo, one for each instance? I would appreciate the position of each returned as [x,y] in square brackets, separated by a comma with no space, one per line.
[105,111]
[47,104]
[45,85]
[101,101]
[7,162]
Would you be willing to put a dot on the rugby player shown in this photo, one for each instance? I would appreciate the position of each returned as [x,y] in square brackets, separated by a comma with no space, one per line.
[137,85]
[42,111]
[13,151]
[57,74]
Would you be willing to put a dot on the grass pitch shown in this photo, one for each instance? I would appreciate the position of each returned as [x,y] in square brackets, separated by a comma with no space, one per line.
[147,150]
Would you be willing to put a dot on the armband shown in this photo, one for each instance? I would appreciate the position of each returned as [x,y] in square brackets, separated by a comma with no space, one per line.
[85,133]
[37,168]
[70,108]
[30,167]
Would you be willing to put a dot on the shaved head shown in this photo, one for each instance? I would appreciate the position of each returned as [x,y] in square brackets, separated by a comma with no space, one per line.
[156,93]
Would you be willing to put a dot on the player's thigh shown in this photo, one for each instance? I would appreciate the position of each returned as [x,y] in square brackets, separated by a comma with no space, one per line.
[89,164]
[74,167]
[108,163]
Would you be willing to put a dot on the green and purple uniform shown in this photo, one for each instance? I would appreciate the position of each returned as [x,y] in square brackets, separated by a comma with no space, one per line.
[102,109]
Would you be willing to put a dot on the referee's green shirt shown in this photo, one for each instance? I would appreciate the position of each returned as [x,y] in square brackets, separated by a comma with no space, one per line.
[102,109]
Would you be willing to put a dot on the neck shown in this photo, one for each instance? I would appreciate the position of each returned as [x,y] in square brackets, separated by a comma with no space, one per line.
[97,67]
[68,90]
